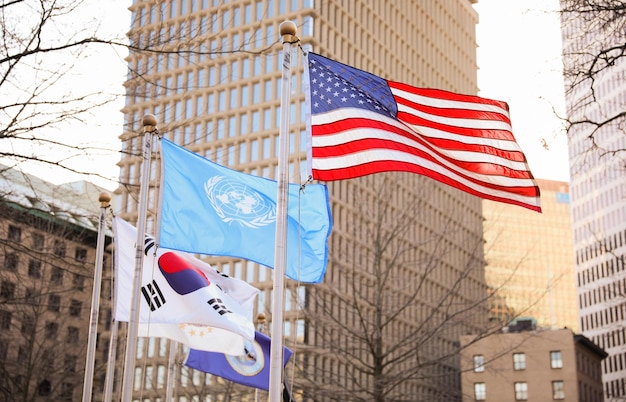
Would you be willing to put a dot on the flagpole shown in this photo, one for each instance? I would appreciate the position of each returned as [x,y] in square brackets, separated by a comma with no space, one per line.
[104,199]
[171,370]
[288,31]
[108,383]
[110,374]
[149,129]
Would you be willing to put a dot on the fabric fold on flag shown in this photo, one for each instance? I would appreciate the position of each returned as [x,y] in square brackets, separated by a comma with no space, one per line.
[363,124]
[177,288]
[251,369]
[199,337]
[207,208]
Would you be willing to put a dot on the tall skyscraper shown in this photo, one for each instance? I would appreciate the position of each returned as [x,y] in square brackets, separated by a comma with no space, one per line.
[530,260]
[405,276]
[598,188]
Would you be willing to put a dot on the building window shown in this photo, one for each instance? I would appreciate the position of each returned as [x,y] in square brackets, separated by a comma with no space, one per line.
[67,391]
[519,361]
[480,391]
[54,303]
[69,364]
[52,328]
[59,248]
[75,308]
[7,290]
[72,335]
[80,255]
[38,241]
[15,234]
[521,391]
[79,282]
[558,392]
[56,276]
[34,268]
[28,325]
[479,363]
[5,319]
[556,360]
[44,388]
[10,261]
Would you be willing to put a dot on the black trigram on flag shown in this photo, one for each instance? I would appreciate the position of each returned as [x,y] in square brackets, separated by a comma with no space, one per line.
[153,295]
[219,306]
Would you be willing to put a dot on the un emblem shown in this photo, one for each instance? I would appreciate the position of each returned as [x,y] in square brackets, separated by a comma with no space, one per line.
[233,201]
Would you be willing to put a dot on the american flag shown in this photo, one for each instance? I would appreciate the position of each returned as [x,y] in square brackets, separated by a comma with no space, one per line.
[363,124]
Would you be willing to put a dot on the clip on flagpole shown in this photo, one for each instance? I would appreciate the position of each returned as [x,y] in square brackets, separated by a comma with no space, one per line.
[149,129]
[104,199]
[288,31]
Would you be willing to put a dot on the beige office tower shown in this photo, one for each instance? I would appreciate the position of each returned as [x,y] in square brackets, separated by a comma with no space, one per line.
[531,270]
[405,276]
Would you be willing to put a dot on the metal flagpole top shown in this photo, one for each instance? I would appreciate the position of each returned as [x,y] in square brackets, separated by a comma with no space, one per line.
[287,30]
[104,198]
[149,122]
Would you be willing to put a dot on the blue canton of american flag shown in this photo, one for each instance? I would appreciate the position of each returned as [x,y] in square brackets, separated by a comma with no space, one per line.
[333,85]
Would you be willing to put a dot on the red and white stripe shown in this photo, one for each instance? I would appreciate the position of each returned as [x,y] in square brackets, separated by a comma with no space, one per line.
[461,140]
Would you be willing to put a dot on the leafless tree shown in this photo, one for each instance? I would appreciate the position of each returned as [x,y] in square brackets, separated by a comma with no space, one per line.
[43,91]
[594,51]
[386,322]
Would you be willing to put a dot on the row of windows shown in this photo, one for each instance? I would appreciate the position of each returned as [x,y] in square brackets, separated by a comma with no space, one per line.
[11,263]
[194,74]
[520,390]
[151,377]
[8,291]
[234,126]
[231,15]
[28,324]
[614,363]
[615,388]
[59,247]
[605,269]
[588,365]
[71,334]
[600,248]
[519,361]
[612,339]
[607,316]
[613,290]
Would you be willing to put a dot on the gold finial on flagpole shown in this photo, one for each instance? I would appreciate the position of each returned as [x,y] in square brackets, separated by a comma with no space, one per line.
[104,198]
[149,123]
[287,30]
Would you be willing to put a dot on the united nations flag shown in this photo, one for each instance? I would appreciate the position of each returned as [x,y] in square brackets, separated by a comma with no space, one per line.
[207,208]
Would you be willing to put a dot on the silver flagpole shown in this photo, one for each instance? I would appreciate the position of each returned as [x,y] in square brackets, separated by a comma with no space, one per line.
[108,386]
[171,371]
[104,199]
[110,374]
[149,129]
[288,31]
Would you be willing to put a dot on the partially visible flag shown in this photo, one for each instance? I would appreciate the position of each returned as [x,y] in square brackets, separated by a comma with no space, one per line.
[177,288]
[363,124]
[199,337]
[251,369]
[210,209]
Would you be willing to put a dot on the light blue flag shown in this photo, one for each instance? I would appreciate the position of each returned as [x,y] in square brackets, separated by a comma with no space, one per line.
[210,209]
